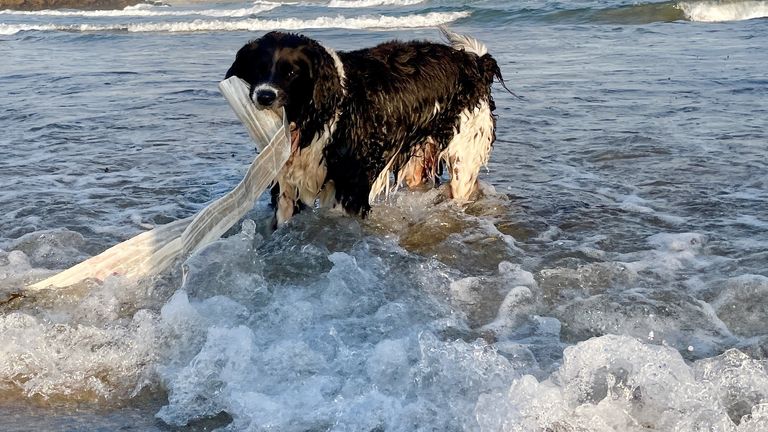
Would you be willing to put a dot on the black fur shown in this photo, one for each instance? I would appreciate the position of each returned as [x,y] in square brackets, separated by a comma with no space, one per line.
[311,95]
[386,105]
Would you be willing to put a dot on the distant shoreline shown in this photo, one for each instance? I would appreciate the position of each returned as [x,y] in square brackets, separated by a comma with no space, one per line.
[34,5]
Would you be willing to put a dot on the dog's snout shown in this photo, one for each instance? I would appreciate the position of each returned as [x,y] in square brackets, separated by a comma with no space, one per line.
[266,97]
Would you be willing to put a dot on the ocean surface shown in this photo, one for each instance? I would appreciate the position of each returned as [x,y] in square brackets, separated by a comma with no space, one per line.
[613,277]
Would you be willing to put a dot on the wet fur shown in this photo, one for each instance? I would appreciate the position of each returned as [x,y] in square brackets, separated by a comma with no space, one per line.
[397,107]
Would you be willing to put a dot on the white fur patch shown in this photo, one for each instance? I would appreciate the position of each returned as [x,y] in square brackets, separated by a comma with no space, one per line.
[339,67]
[302,177]
[437,109]
[383,184]
[469,150]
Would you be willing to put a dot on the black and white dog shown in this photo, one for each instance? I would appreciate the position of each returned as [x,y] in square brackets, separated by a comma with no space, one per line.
[357,117]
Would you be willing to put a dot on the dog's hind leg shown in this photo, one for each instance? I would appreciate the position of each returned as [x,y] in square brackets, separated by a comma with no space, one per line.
[327,196]
[422,165]
[469,149]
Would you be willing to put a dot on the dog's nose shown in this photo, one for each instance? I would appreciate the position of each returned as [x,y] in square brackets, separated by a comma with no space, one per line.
[266,97]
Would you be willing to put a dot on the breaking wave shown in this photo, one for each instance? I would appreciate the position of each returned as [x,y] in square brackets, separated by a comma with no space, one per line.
[366,22]
[710,11]
[646,13]
[144,10]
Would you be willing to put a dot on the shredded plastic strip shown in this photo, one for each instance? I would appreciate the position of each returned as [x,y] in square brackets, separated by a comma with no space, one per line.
[154,251]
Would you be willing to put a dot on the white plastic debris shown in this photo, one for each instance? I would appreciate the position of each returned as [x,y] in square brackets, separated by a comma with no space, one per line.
[153,251]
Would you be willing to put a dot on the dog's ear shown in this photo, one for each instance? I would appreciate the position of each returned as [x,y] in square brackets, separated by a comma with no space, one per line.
[326,93]
[240,65]
[328,90]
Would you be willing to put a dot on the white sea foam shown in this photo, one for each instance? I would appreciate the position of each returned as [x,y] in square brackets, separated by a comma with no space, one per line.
[710,11]
[372,22]
[375,337]
[10,29]
[371,3]
[740,304]
[672,252]
[351,349]
[617,383]
[144,10]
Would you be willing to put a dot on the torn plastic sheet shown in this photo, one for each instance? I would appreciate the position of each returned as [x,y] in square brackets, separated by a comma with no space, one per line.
[152,252]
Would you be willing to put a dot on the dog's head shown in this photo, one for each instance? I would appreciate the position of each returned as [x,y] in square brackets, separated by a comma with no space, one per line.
[293,72]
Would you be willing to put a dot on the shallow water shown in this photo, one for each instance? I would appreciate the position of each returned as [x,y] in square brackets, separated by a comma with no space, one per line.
[614,277]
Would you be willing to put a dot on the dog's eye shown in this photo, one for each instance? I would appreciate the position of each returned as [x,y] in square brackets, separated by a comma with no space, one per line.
[292,74]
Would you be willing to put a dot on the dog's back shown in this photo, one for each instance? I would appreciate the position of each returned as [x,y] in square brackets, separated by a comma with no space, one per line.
[405,102]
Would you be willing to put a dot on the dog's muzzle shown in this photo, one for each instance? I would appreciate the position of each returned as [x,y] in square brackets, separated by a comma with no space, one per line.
[265,96]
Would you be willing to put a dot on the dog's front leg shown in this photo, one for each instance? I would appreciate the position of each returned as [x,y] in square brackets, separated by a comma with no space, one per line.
[286,204]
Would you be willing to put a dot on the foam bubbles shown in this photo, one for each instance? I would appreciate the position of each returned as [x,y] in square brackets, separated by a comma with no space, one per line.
[672,252]
[360,347]
[203,387]
[43,358]
[708,11]
[53,249]
[742,304]
[323,326]
[741,383]
[616,383]
[16,271]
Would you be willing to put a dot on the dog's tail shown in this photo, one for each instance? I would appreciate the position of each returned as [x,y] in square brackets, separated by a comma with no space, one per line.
[463,42]
[490,69]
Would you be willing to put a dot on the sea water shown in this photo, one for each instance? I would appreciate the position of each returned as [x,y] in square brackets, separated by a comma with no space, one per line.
[612,277]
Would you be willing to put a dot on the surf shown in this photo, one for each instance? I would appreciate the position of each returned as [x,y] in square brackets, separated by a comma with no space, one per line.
[709,11]
[381,22]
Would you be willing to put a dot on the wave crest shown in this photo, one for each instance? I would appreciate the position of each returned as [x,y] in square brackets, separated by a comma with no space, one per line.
[144,10]
[710,11]
[365,22]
